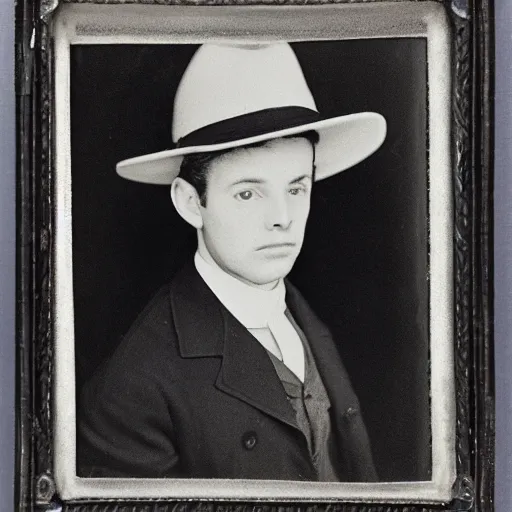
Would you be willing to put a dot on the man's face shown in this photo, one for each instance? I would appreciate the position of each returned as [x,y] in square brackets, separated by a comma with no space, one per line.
[257,205]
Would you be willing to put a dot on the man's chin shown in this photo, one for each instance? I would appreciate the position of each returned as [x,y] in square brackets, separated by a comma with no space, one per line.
[271,275]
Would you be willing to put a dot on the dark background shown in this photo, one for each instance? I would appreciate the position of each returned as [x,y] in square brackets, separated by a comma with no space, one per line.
[364,265]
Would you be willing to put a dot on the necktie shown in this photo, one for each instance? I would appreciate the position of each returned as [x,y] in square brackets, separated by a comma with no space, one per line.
[288,341]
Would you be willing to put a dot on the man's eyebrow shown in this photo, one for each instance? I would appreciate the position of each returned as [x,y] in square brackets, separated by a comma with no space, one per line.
[247,180]
[300,178]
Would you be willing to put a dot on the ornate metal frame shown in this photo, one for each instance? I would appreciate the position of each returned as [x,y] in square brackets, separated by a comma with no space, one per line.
[472,24]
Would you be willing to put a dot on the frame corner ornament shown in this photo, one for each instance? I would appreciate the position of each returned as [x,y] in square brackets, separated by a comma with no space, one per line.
[47,8]
[463,493]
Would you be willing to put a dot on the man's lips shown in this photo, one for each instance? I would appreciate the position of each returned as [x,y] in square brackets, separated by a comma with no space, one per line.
[275,246]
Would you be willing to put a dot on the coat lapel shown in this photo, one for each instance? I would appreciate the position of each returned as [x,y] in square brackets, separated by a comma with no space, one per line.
[248,373]
[355,459]
[205,328]
[327,358]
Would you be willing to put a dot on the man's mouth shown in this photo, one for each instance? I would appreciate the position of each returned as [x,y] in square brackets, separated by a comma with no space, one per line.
[276,246]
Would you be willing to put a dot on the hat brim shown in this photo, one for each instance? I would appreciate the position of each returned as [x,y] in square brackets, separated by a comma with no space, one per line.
[344,141]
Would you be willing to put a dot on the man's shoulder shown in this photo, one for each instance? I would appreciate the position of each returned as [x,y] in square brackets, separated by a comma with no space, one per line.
[150,338]
[156,315]
[156,323]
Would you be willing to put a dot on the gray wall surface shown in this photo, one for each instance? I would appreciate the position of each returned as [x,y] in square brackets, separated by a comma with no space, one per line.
[503,254]
[7,245]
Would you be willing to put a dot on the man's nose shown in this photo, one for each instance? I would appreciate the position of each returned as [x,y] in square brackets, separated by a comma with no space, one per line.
[278,214]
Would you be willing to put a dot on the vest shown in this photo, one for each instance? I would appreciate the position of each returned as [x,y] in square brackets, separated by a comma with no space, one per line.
[312,408]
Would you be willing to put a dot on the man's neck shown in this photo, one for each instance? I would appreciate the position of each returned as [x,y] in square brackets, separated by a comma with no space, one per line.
[251,306]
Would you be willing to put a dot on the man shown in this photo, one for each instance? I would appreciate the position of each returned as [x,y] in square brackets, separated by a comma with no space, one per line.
[228,373]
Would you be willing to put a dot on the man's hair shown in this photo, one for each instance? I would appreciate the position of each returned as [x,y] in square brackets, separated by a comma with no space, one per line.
[194,168]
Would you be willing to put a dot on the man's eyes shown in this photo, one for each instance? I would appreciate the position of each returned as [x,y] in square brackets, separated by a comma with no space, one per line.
[245,195]
[297,191]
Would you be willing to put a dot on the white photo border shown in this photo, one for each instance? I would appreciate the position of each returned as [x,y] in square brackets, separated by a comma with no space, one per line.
[150,24]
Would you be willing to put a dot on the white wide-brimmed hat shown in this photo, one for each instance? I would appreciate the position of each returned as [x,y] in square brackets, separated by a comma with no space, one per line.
[235,95]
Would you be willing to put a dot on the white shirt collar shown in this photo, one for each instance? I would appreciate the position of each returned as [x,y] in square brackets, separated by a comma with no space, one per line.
[251,306]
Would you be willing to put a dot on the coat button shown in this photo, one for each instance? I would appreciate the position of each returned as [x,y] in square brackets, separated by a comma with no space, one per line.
[351,412]
[249,440]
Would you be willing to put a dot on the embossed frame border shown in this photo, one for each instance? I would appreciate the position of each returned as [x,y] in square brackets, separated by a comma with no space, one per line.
[472,79]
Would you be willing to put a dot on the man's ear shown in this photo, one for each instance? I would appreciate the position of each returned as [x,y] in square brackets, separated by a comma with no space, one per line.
[187,203]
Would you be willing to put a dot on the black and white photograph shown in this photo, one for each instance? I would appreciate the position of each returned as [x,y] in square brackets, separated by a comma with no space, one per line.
[228,372]
[253,263]
[250,260]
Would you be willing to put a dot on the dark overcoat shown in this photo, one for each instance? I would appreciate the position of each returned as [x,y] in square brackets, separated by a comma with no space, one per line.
[190,392]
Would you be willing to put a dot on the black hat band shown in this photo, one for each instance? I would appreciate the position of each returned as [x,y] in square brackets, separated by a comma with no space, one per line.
[249,125]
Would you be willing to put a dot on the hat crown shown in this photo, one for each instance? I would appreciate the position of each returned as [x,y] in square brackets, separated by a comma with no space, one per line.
[226,81]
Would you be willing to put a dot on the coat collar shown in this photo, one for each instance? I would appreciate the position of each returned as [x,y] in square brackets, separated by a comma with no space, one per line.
[205,328]
[198,315]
